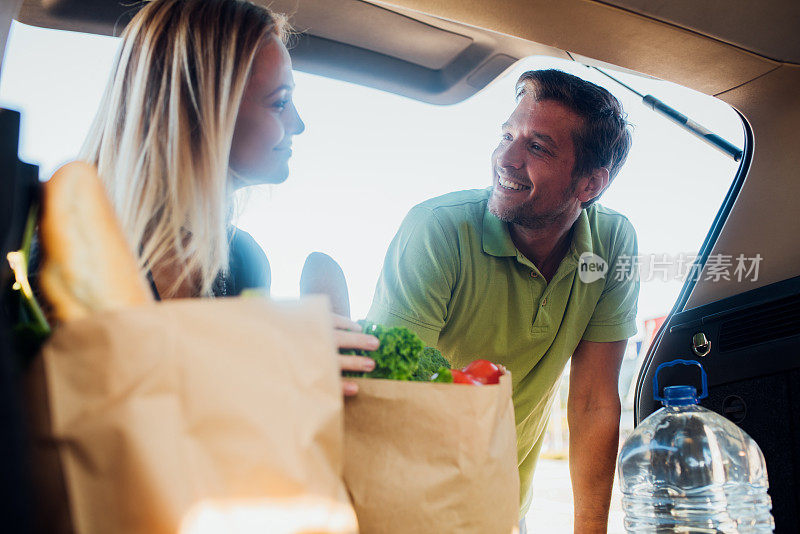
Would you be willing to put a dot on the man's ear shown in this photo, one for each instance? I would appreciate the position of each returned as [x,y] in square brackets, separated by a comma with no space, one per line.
[593,184]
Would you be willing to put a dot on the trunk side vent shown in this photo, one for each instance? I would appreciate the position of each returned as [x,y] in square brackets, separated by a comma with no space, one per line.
[759,324]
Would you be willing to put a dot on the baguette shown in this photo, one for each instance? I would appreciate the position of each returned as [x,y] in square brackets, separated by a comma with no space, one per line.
[88,265]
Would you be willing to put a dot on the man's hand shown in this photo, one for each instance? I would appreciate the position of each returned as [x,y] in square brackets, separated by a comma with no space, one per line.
[593,412]
[347,335]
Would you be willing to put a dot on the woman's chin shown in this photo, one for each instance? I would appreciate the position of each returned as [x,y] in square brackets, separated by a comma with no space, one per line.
[271,177]
[277,178]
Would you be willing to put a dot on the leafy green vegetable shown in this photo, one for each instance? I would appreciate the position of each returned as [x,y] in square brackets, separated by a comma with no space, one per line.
[31,328]
[443,375]
[430,362]
[20,267]
[397,357]
[402,356]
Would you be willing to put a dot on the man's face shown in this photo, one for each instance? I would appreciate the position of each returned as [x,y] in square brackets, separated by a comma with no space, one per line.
[532,165]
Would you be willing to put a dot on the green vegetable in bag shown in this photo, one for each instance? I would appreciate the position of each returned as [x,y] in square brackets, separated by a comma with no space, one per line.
[431,362]
[400,356]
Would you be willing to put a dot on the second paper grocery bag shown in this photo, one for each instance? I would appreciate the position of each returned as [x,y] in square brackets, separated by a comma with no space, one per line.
[428,458]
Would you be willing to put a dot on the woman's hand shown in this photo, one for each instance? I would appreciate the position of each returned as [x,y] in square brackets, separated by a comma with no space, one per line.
[348,336]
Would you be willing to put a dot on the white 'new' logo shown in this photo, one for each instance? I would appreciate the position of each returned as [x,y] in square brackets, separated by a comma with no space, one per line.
[591,268]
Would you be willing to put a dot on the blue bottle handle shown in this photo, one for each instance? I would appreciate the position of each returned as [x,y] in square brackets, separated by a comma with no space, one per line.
[657,392]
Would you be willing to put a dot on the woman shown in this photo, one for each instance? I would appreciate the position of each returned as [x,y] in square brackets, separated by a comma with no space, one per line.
[200,104]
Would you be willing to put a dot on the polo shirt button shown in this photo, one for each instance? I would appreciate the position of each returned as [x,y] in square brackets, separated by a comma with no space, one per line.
[544,301]
[534,275]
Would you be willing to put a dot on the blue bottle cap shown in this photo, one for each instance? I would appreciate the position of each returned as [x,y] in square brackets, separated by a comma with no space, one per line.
[679,396]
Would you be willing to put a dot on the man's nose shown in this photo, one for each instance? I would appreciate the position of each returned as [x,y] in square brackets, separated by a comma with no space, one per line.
[509,156]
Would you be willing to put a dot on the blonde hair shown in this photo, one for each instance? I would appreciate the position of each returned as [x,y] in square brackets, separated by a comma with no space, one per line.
[162,135]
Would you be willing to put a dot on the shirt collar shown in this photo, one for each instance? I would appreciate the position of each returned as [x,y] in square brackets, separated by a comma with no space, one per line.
[581,236]
[497,239]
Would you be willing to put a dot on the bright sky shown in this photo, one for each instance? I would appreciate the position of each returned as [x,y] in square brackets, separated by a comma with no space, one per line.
[367,157]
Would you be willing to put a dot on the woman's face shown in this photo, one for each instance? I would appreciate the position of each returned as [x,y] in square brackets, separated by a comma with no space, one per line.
[267,119]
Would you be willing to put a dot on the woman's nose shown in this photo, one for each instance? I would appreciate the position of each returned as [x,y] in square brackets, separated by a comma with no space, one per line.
[298,126]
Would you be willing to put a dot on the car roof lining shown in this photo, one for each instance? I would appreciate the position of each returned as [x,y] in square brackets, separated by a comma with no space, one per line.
[410,48]
[395,50]
[392,48]
[770,31]
[379,29]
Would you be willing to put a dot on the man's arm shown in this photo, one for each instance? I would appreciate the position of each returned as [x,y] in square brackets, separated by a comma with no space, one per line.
[593,413]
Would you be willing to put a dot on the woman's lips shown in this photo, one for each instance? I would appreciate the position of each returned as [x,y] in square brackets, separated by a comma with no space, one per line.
[286,151]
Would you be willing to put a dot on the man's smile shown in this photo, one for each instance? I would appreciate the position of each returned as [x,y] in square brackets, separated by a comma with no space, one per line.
[505,183]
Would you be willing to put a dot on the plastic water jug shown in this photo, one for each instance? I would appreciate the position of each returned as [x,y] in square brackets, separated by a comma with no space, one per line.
[687,469]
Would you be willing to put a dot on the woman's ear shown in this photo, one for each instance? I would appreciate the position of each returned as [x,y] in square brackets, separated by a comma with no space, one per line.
[593,184]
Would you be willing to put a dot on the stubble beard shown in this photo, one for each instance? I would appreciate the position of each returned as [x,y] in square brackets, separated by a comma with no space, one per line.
[525,214]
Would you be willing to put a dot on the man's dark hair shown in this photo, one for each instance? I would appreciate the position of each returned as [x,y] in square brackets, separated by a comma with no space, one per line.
[605,138]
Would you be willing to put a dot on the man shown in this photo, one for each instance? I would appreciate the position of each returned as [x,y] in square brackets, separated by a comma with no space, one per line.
[527,274]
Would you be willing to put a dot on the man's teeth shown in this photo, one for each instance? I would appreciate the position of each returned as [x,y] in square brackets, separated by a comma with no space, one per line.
[511,185]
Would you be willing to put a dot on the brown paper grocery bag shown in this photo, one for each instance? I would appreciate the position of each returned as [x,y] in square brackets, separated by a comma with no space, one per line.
[143,415]
[429,458]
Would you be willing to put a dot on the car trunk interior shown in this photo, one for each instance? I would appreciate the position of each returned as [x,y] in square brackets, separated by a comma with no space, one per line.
[443,51]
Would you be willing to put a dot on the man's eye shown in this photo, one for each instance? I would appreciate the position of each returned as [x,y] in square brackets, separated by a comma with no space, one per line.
[280,104]
[536,147]
[506,137]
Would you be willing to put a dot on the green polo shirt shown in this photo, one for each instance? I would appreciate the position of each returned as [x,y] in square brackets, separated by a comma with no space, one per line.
[453,275]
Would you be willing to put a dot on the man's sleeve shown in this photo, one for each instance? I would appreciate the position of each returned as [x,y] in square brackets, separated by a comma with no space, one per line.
[614,317]
[417,278]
